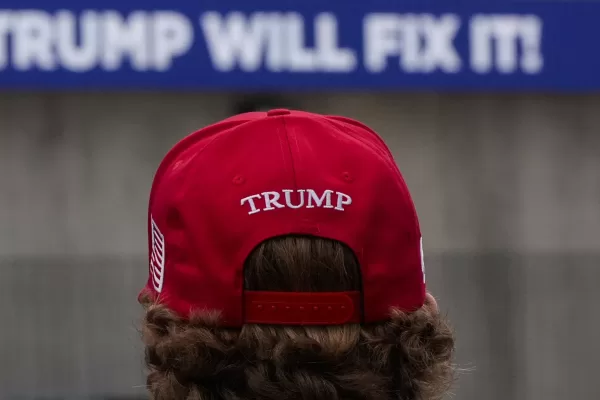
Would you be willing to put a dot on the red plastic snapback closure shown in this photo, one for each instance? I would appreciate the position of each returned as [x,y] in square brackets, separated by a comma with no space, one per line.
[302,308]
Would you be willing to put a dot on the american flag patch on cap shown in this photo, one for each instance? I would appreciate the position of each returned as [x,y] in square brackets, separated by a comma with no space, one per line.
[157,257]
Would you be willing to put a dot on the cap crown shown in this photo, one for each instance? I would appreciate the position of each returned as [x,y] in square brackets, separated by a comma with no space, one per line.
[224,189]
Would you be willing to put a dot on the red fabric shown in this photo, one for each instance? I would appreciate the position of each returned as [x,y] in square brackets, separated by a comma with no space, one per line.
[208,230]
[302,308]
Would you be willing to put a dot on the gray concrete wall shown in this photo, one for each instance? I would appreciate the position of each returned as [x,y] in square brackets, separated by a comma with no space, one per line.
[507,188]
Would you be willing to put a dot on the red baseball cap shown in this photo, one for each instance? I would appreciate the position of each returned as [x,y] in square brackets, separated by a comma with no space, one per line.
[224,189]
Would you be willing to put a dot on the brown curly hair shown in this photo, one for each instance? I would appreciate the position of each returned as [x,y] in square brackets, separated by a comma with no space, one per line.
[408,357]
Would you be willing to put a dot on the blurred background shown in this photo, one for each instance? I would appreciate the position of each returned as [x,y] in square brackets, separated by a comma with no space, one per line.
[492,112]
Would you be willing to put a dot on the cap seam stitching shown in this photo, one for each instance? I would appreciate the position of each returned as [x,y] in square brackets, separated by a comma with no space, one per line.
[289,147]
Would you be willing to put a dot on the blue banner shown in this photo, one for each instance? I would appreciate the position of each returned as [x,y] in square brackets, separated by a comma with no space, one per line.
[300,45]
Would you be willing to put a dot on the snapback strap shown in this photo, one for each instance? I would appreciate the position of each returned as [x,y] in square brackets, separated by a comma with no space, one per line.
[302,308]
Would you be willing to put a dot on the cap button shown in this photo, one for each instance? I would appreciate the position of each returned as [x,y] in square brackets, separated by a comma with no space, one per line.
[278,112]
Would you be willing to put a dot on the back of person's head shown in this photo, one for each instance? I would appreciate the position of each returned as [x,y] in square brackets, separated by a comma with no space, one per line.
[307,304]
